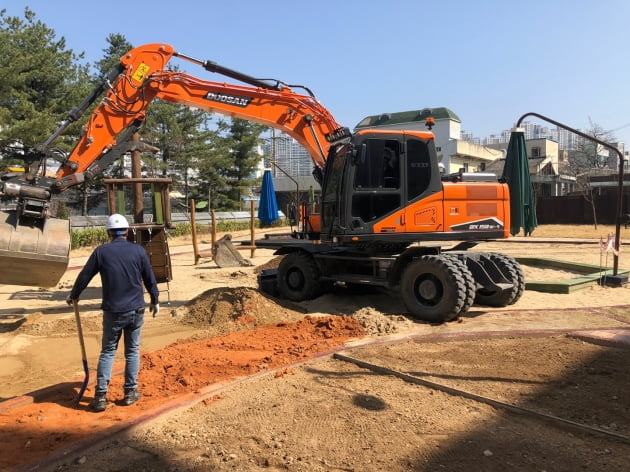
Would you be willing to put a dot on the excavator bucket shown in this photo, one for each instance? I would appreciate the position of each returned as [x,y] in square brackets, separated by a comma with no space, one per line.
[226,255]
[34,255]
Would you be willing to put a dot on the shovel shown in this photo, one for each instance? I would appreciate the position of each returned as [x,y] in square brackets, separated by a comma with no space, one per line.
[86,369]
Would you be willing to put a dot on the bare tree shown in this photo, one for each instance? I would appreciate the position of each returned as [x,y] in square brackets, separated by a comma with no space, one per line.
[589,159]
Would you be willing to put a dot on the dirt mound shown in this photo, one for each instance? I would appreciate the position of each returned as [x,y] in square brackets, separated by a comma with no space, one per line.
[377,324]
[225,309]
[272,264]
[36,326]
[190,365]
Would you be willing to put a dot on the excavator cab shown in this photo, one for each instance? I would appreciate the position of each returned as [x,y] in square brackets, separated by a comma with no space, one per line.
[375,181]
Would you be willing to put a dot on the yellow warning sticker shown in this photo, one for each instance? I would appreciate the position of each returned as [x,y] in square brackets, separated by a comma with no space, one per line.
[140,72]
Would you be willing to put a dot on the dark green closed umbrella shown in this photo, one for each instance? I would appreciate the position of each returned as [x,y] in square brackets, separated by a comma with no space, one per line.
[516,173]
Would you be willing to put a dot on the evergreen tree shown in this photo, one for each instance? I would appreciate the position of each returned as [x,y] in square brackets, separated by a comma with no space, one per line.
[242,139]
[118,46]
[182,135]
[40,82]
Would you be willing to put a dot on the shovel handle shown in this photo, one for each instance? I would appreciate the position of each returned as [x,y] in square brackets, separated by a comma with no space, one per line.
[77,318]
[86,369]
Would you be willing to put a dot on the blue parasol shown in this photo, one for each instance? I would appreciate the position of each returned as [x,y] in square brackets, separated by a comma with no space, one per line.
[268,206]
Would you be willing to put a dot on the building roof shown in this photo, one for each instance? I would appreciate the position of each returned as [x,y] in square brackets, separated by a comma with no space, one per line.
[496,166]
[384,119]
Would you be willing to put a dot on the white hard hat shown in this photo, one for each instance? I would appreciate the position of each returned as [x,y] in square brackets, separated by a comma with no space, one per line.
[116,221]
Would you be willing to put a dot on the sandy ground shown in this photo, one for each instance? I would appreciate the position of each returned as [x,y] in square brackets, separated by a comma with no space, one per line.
[329,414]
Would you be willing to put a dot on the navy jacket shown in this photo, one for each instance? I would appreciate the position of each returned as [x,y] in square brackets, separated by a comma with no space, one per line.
[124,267]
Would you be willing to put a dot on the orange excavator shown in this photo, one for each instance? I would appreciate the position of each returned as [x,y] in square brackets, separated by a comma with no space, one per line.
[385,204]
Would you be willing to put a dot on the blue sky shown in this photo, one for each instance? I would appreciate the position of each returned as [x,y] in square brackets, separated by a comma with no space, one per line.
[489,61]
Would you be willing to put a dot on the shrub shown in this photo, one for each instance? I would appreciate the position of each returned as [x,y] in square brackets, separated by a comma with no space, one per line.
[88,237]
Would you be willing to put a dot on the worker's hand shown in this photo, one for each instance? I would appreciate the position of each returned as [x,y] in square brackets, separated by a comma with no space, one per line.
[154,308]
[70,301]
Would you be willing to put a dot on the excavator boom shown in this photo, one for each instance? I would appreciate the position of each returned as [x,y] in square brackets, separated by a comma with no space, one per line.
[144,78]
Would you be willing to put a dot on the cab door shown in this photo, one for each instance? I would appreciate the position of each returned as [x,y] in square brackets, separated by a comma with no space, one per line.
[423,207]
[375,186]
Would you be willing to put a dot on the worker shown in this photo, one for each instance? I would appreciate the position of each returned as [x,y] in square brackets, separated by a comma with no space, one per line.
[390,169]
[124,268]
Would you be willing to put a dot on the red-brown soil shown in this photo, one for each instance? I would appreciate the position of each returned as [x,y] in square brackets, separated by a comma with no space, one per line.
[54,419]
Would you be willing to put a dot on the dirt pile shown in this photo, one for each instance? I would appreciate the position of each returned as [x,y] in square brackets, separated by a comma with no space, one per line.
[377,324]
[224,309]
[187,366]
[35,326]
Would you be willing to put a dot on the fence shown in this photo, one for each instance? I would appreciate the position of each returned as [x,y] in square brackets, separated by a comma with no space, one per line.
[577,210]
[202,218]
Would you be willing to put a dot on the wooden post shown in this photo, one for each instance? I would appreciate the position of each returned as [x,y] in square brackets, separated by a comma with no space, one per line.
[193,229]
[111,199]
[252,230]
[136,173]
[214,230]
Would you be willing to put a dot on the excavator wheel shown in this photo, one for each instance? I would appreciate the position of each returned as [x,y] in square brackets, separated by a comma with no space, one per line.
[513,272]
[469,281]
[433,289]
[298,277]
[34,254]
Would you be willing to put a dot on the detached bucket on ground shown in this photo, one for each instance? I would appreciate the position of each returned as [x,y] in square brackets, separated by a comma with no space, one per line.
[35,252]
[226,255]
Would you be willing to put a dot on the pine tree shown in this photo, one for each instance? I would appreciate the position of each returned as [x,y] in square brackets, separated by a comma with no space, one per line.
[40,81]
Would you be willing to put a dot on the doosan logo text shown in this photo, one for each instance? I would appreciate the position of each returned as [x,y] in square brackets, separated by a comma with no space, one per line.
[229,99]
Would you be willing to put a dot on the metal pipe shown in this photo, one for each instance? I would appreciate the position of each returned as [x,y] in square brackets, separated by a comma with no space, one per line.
[297,185]
[620,177]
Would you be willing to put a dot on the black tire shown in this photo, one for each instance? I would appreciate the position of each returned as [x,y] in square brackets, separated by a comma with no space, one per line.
[298,277]
[469,282]
[513,272]
[433,289]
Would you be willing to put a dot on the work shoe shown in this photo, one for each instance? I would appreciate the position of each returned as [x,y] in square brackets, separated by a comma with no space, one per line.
[131,397]
[99,403]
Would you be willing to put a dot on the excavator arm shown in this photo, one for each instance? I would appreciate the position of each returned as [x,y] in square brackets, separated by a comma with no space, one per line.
[34,248]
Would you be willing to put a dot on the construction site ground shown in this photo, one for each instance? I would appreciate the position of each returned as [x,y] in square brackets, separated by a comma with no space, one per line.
[234,380]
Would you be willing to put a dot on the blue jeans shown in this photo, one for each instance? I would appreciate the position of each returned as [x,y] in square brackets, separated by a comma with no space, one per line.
[114,326]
